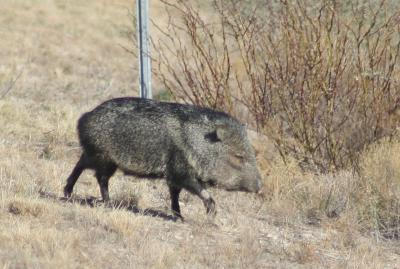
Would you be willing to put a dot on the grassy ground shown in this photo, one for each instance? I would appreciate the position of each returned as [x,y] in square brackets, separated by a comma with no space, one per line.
[66,57]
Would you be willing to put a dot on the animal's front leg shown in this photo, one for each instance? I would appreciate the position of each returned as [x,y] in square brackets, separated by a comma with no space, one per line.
[193,186]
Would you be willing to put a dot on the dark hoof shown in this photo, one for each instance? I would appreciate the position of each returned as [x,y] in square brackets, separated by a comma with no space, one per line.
[67,193]
[210,207]
[107,203]
[177,216]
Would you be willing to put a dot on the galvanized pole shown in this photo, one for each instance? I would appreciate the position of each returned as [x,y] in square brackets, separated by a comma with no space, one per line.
[144,48]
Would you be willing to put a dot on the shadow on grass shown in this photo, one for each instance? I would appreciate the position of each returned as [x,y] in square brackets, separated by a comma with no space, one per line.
[92,201]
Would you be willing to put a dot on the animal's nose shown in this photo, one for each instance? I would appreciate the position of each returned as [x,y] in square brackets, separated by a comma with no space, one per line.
[258,186]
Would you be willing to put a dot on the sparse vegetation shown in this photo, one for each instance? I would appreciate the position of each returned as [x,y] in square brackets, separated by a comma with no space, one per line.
[71,57]
[320,78]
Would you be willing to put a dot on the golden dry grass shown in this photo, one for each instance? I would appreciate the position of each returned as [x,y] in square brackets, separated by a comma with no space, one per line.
[70,57]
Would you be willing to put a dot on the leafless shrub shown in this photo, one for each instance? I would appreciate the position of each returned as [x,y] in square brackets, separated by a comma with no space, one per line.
[320,79]
[194,58]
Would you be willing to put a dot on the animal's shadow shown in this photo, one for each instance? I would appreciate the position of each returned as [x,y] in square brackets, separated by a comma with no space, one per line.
[92,201]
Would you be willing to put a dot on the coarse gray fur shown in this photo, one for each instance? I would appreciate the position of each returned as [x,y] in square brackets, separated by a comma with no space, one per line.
[192,147]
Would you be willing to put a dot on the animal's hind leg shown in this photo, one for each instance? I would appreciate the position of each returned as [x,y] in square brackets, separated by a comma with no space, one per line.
[103,176]
[73,177]
[174,193]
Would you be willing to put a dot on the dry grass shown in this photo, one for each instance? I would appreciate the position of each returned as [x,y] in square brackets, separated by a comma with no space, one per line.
[70,58]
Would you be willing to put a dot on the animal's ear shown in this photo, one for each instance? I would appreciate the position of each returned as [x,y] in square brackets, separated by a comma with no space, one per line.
[218,135]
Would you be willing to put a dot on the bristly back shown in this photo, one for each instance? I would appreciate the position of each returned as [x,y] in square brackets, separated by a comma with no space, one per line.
[185,112]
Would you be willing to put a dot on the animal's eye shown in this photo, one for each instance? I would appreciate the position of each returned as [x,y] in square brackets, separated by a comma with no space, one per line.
[236,160]
[239,157]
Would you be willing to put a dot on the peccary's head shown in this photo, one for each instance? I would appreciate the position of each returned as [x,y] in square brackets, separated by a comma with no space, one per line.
[235,166]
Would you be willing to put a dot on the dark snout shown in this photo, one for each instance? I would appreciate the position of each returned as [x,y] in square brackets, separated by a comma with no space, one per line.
[254,185]
[251,180]
[246,184]
[247,181]
[258,187]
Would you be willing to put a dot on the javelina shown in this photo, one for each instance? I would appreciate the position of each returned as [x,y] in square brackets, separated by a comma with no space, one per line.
[192,147]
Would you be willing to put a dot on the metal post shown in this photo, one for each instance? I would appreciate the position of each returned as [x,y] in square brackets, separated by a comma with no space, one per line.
[144,48]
